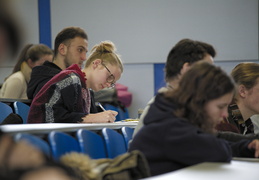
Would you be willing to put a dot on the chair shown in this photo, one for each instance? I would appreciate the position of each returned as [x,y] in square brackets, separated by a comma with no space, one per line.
[121,114]
[114,142]
[91,144]
[5,110]
[127,133]
[62,143]
[21,109]
[34,141]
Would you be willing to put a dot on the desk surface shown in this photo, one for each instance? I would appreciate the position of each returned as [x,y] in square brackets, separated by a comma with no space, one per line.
[9,100]
[65,127]
[236,170]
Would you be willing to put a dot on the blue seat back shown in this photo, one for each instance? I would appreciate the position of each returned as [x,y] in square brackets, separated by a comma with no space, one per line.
[91,144]
[22,109]
[34,141]
[114,142]
[62,143]
[121,114]
[127,133]
[5,110]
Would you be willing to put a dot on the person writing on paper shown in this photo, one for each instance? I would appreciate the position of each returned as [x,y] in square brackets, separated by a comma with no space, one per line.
[66,97]
[179,128]
[70,47]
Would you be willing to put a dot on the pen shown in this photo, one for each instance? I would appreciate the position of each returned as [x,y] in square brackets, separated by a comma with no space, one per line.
[99,104]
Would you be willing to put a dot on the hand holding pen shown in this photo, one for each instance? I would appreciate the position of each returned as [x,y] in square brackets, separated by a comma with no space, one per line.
[100,105]
[101,117]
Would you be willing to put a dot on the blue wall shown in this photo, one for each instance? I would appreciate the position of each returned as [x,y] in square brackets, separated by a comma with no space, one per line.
[44,22]
[159,78]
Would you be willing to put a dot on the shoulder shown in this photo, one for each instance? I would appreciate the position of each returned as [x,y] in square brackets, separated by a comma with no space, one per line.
[74,71]
[66,79]
[47,68]
[18,76]
[51,65]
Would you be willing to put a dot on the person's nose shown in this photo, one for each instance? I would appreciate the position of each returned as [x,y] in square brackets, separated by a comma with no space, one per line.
[83,57]
[225,113]
[108,84]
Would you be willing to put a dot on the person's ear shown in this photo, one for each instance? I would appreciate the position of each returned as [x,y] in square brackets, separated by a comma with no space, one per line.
[242,91]
[62,49]
[30,63]
[96,62]
[185,68]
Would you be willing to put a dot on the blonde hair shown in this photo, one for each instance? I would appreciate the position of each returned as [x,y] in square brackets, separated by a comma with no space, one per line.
[246,74]
[106,51]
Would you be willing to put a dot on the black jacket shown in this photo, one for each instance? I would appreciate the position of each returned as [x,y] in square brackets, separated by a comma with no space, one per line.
[170,143]
[42,74]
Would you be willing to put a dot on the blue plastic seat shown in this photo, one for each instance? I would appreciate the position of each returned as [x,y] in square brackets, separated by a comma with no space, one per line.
[21,109]
[34,141]
[91,144]
[114,142]
[5,110]
[127,133]
[61,144]
[121,114]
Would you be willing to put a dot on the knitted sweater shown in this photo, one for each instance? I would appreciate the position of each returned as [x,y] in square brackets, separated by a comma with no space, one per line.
[63,99]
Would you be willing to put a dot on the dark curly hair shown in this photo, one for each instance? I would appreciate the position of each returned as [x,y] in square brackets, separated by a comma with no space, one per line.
[186,50]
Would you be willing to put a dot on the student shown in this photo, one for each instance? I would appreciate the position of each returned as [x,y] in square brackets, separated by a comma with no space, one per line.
[71,46]
[245,103]
[15,86]
[66,97]
[179,128]
[179,60]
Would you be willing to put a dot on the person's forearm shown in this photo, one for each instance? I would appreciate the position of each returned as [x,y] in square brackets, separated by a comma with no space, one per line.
[234,137]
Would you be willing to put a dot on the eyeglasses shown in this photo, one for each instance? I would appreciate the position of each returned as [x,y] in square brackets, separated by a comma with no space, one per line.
[110,78]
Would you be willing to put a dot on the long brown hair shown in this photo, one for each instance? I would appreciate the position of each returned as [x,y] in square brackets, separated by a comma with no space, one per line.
[202,83]
[33,52]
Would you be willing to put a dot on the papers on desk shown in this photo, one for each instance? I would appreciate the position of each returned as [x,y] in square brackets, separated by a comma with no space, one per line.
[129,120]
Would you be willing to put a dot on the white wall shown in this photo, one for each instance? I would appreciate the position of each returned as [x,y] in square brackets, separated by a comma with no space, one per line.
[140,80]
[145,30]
